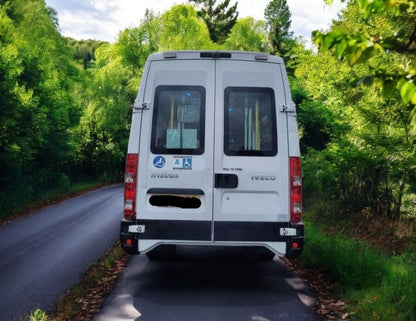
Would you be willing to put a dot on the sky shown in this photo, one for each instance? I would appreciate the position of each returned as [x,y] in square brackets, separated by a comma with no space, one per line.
[104,19]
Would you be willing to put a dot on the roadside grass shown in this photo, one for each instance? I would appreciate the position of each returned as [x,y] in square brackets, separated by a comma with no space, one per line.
[38,315]
[84,299]
[376,286]
[22,203]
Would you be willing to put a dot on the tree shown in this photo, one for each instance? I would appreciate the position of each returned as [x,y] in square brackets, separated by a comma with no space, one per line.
[53,16]
[103,130]
[182,30]
[84,50]
[361,46]
[134,45]
[219,19]
[278,21]
[37,110]
[368,164]
[102,134]
[247,35]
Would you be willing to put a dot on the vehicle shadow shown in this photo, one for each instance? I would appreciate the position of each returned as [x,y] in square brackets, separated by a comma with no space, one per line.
[217,283]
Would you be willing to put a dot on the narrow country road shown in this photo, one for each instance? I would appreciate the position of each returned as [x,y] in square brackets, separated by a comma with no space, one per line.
[43,254]
[208,284]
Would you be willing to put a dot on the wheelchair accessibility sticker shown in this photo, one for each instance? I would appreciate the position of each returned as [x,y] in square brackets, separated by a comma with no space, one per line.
[182,163]
[159,162]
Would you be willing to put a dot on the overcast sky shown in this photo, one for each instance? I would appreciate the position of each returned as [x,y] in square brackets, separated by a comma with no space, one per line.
[103,19]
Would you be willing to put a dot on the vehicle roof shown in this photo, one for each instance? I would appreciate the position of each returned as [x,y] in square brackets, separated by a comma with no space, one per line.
[215,54]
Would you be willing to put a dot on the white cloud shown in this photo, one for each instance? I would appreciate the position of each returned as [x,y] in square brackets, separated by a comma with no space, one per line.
[130,12]
[87,25]
[253,9]
[104,19]
[312,15]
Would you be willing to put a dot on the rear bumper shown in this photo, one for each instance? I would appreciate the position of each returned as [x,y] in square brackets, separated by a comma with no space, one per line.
[233,233]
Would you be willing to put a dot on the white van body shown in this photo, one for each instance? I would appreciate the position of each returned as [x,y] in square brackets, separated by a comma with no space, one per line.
[213,139]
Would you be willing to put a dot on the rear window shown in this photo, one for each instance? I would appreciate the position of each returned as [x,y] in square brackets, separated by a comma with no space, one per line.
[250,122]
[178,124]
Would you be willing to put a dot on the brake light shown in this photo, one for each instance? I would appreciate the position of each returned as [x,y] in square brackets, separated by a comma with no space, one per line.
[295,190]
[130,181]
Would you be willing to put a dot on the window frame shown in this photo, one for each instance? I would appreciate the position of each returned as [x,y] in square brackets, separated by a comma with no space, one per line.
[230,152]
[178,151]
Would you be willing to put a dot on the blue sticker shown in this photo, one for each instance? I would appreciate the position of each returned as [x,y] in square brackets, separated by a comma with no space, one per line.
[187,163]
[159,162]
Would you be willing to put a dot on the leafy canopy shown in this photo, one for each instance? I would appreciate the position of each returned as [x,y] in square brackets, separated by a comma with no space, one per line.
[359,46]
[182,29]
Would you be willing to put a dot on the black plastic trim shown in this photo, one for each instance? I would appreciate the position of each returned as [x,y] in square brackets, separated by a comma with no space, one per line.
[176,230]
[226,181]
[249,231]
[215,54]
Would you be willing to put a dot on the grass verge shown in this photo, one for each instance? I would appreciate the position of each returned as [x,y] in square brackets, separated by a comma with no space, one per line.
[50,196]
[375,285]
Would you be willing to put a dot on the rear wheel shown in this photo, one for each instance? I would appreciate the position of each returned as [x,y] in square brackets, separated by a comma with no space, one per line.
[162,252]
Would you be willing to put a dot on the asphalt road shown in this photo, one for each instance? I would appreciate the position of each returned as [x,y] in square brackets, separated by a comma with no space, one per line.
[43,254]
[207,284]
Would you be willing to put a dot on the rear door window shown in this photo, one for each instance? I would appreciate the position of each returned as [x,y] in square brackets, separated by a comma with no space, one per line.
[250,122]
[178,124]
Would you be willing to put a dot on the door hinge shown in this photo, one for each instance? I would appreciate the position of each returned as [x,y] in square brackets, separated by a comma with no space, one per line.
[288,108]
[143,106]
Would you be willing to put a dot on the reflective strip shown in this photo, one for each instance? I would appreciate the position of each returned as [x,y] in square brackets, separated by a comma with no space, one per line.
[285,231]
[137,228]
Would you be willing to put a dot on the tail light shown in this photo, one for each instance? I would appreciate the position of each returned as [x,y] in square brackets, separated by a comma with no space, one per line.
[130,182]
[295,190]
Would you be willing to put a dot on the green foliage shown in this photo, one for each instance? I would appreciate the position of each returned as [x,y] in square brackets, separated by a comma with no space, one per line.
[38,315]
[377,287]
[37,108]
[103,131]
[84,50]
[136,44]
[247,35]
[370,154]
[316,123]
[219,19]
[363,44]
[182,29]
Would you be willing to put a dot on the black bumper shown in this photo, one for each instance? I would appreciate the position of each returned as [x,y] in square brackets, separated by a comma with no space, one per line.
[201,231]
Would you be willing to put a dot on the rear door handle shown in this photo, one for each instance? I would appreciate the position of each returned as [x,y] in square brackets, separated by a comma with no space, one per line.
[226,181]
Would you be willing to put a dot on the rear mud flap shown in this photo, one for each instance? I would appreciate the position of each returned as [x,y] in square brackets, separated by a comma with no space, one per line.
[294,247]
[128,240]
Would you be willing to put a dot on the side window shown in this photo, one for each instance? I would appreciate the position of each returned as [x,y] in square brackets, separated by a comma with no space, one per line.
[178,124]
[250,122]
